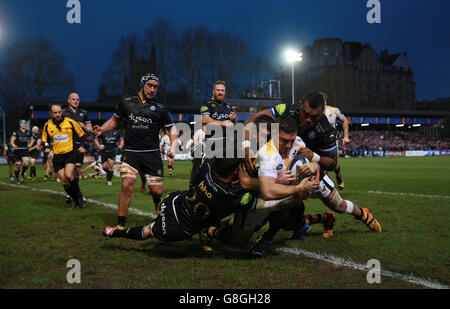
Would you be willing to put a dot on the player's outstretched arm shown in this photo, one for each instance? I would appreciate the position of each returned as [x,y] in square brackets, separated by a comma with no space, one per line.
[109,125]
[346,138]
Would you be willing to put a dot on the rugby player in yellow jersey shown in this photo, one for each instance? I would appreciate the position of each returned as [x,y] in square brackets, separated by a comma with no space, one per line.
[332,114]
[60,131]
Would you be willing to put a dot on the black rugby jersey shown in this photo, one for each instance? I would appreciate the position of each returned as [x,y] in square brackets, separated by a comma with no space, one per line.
[35,137]
[80,115]
[110,140]
[142,122]
[22,138]
[217,111]
[320,138]
[210,200]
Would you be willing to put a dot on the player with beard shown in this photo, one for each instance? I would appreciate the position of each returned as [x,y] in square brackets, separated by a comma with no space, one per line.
[60,131]
[142,117]
[217,114]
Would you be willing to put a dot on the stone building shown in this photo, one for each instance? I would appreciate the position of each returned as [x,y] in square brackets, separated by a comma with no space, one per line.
[355,76]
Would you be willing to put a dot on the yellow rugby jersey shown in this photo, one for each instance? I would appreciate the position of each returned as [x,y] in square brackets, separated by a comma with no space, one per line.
[269,161]
[333,113]
[62,137]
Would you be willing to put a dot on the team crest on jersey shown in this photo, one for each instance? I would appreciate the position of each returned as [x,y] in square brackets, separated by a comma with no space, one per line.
[312,135]
[279,167]
[81,114]
[152,108]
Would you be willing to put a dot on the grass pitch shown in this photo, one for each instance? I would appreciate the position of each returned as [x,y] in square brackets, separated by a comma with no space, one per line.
[409,196]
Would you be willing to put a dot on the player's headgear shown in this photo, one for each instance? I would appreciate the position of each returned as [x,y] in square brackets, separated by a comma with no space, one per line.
[35,128]
[21,121]
[147,77]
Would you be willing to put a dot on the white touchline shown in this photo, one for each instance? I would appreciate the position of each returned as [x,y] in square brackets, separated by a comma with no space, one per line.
[322,257]
[409,194]
[113,206]
[348,263]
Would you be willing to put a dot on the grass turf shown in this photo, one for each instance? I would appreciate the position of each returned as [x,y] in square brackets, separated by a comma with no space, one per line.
[40,234]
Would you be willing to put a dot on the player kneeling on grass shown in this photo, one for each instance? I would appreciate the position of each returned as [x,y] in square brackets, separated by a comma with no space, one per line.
[216,193]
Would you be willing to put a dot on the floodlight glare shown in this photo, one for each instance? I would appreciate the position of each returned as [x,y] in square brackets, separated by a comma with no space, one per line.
[293,56]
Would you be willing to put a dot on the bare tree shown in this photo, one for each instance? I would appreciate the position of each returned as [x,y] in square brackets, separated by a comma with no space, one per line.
[229,58]
[34,71]
[163,35]
[115,79]
[196,73]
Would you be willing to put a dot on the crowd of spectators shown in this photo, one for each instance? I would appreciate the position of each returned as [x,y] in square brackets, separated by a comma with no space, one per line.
[366,142]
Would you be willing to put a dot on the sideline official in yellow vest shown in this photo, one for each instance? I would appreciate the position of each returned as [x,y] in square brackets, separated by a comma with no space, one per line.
[60,131]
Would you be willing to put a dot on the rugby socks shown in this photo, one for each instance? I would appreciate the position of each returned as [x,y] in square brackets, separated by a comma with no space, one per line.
[24,169]
[314,219]
[70,190]
[121,220]
[136,233]
[338,170]
[16,173]
[33,171]
[109,175]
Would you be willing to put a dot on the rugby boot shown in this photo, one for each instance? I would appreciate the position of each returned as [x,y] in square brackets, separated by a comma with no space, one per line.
[109,230]
[260,248]
[328,223]
[205,240]
[69,200]
[306,228]
[368,219]
[340,181]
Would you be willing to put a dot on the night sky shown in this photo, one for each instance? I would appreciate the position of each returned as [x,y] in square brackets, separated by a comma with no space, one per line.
[420,28]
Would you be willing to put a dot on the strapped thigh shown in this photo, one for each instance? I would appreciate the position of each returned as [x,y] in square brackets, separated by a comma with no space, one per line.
[154,180]
[127,170]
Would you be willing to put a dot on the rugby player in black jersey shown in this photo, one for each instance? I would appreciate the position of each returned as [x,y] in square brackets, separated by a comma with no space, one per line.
[81,116]
[21,140]
[108,144]
[34,149]
[217,114]
[142,117]
[8,153]
[216,193]
[321,147]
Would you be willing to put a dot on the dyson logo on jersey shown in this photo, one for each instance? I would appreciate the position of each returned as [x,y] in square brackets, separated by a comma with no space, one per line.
[137,119]
[218,116]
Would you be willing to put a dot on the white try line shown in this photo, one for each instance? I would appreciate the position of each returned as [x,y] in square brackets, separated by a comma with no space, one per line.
[348,263]
[409,194]
[109,205]
[322,257]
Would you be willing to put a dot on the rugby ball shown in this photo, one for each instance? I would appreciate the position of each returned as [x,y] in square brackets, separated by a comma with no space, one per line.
[297,161]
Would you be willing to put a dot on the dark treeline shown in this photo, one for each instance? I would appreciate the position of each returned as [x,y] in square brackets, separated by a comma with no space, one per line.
[188,62]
